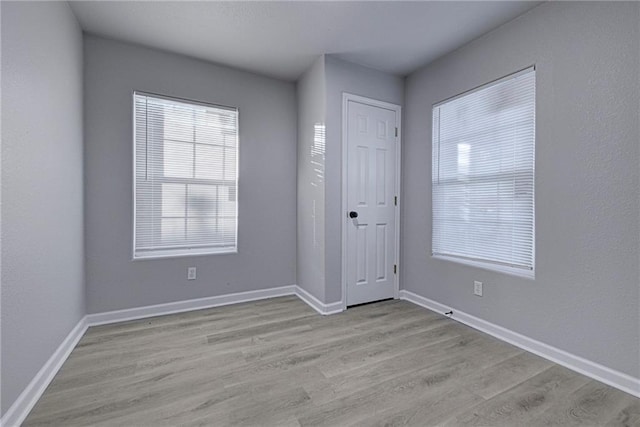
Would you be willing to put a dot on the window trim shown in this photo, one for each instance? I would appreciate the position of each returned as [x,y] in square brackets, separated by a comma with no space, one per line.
[527,273]
[181,253]
[500,268]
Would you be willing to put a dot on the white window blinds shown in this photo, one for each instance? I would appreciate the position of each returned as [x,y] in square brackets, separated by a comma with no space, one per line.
[483,175]
[185,177]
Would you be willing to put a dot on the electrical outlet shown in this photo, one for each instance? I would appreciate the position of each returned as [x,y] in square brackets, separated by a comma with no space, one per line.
[477,288]
[191,273]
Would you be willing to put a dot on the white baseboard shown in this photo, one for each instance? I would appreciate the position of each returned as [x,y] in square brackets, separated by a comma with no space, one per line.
[209,302]
[28,398]
[19,410]
[186,305]
[317,305]
[609,376]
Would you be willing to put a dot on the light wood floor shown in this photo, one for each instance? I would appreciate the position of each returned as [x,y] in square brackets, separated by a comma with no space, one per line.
[278,363]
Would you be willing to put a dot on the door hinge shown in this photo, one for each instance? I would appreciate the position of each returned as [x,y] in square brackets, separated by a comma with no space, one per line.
[395,200]
[396,132]
[395,269]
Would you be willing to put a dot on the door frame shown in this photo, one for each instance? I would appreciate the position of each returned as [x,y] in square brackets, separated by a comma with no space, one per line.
[346,98]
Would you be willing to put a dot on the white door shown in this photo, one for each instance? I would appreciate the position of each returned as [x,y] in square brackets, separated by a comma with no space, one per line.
[371,212]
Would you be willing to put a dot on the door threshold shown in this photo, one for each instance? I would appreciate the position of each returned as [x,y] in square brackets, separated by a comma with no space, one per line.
[370,302]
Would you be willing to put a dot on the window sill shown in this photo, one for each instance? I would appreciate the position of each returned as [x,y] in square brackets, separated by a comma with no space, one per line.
[527,274]
[182,253]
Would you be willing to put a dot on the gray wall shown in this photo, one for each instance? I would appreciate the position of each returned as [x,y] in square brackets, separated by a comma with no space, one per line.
[342,76]
[311,187]
[267,178]
[584,298]
[42,232]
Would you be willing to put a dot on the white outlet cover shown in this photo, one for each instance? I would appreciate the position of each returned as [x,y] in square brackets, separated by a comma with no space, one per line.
[191,273]
[477,288]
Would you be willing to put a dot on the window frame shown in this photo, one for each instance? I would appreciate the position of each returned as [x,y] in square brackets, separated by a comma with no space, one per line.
[500,267]
[184,251]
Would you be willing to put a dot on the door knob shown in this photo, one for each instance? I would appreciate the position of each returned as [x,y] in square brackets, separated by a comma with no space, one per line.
[353,214]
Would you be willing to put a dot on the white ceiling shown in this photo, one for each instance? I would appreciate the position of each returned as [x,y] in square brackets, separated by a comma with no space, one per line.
[281,39]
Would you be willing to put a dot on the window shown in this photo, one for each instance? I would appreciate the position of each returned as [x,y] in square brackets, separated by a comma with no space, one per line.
[483,176]
[186,181]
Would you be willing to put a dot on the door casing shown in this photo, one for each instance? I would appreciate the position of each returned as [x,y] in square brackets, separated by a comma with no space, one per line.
[346,98]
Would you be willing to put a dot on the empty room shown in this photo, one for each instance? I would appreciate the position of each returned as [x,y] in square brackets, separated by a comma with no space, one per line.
[295,213]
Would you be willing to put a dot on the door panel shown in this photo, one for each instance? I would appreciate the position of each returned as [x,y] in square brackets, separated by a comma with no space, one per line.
[361,250]
[371,174]
[363,175]
[381,252]
[381,161]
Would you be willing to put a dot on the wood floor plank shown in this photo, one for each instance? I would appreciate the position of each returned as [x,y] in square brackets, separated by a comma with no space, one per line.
[431,410]
[594,404]
[343,362]
[339,328]
[492,381]
[521,404]
[395,381]
[472,348]
[628,416]
[277,363]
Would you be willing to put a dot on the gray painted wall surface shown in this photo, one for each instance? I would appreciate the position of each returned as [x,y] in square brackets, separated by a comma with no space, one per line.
[42,232]
[267,178]
[584,298]
[342,76]
[311,180]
